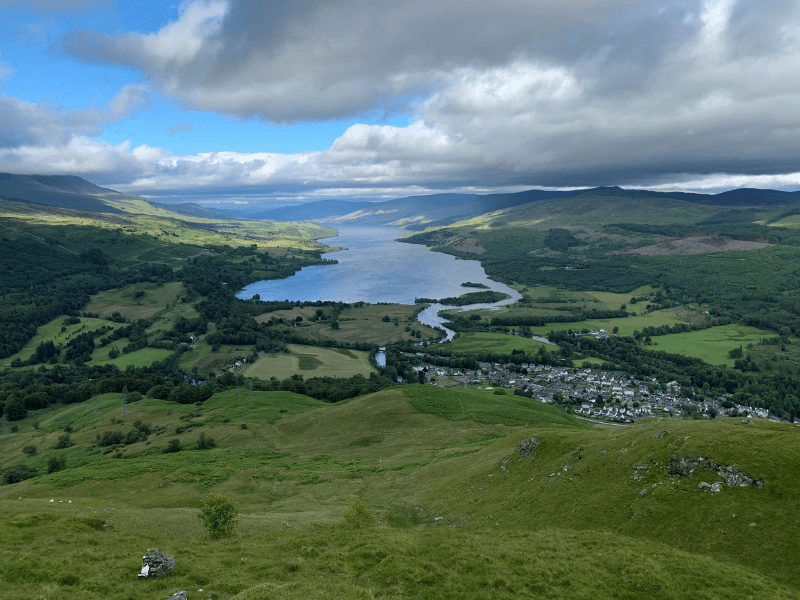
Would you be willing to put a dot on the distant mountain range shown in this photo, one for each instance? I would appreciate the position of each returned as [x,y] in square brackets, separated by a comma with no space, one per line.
[413,212]
[436,210]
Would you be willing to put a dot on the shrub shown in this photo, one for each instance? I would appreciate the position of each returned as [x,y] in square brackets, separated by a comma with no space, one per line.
[18,473]
[173,446]
[110,438]
[30,451]
[357,515]
[63,442]
[56,463]
[218,515]
[203,443]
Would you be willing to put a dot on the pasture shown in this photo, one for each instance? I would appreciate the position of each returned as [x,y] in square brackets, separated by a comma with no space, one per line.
[452,509]
[311,362]
[479,342]
[713,344]
[136,301]
[364,323]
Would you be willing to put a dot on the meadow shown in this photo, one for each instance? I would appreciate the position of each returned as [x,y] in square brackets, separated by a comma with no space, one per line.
[712,344]
[359,323]
[311,362]
[456,511]
[479,342]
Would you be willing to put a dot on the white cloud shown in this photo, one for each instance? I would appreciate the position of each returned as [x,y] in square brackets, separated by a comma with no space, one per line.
[508,93]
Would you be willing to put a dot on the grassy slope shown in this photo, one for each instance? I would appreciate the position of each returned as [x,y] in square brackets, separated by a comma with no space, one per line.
[598,491]
[162,226]
[502,534]
[362,324]
[311,362]
[497,343]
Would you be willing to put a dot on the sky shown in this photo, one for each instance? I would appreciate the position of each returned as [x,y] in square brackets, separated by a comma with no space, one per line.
[227,102]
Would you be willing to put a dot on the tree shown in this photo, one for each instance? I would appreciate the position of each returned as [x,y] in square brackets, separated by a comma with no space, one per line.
[30,451]
[218,515]
[203,443]
[56,463]
[173,446]
[18,473]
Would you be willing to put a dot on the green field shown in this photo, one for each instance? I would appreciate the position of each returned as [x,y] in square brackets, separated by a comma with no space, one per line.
[457,511]
[156,297]
[143,357]
[493,343]
[52,331]
[713,344]
[311,362]
[627,325]
[357,324]
[614,301]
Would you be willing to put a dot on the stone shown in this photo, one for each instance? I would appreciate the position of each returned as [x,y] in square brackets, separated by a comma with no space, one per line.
[178,595]
[709,487]
[643,492]
[527,447]
[660,434]
[747,421]
[155,564]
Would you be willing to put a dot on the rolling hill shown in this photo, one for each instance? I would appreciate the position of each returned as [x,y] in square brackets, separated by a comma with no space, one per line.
[464,495]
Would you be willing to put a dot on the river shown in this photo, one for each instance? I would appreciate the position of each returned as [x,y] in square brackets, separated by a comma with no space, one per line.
[375,268]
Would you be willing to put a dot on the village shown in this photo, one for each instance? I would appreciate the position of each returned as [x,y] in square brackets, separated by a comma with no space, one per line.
[590,393]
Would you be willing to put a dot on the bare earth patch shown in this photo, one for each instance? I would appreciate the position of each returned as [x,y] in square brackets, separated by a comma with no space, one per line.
[698,244]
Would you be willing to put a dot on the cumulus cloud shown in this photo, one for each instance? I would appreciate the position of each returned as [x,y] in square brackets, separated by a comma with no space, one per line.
[509,93]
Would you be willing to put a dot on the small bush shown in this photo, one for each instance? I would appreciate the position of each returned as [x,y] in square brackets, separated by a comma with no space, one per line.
[243,426]
[18,473]
[203,443]
[173,446]
[218,515]
[63,442]
[56,463]
[30,451]
[357,515]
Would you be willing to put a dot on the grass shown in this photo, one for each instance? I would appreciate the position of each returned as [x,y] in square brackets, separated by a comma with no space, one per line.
[359,324]
[311,362]
[138,358]
[495,343]
[169,236]
[156,298]
[614,301]
[52,332]
[713,344]
[485,407]
[459,514]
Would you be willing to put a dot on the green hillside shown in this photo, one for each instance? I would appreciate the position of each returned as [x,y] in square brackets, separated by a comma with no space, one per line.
[456,510]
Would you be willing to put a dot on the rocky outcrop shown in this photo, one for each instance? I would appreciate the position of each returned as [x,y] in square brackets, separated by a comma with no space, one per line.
[527,447]
[686,467]
[155,564]
[178,596]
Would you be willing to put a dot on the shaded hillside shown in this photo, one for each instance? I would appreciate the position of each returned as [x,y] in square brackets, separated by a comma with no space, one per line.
[191,209]
[66,191]
[312,211]
[419,212]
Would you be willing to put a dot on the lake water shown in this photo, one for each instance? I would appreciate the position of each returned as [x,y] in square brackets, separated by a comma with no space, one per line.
[375,268]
